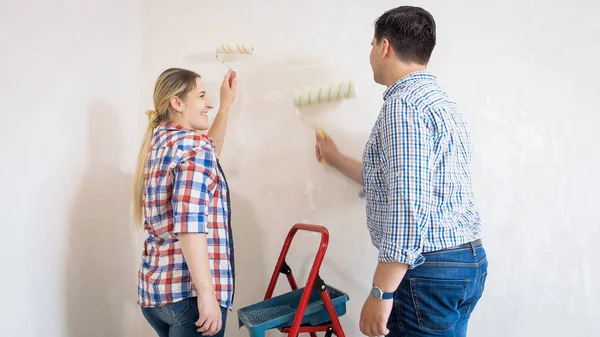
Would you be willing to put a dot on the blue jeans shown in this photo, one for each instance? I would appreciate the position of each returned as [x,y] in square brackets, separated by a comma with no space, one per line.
[178,319]
[438,297]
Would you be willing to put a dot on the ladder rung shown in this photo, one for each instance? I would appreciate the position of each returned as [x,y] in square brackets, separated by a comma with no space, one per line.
[308,328]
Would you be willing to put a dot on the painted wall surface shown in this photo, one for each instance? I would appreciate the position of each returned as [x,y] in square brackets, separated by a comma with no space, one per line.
[69,88]
[524,74]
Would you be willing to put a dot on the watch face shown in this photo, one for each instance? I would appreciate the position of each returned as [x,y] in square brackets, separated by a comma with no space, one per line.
[376,292]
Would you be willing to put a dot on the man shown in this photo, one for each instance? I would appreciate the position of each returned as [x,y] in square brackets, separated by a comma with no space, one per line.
[416,179]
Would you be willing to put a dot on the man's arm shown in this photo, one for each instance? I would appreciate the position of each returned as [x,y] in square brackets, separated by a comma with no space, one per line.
[388,275]
[407,151]
[326,149]
[406,146]
[349,167]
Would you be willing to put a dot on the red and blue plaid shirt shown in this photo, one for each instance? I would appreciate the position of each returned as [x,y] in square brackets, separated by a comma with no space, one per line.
[186,192]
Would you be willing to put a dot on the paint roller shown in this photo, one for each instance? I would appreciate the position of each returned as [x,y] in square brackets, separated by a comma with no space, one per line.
[315,96]
[233,48]
[311,96]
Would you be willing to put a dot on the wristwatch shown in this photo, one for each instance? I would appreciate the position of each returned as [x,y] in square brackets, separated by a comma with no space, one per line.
[378,294]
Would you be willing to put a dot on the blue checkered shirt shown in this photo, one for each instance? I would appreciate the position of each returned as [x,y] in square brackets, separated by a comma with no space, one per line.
[416,171]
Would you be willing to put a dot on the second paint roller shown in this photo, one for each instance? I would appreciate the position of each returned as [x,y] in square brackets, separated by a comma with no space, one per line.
[329,92]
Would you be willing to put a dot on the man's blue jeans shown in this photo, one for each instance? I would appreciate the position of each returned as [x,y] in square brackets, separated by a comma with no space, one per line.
[178,319]
[438,297]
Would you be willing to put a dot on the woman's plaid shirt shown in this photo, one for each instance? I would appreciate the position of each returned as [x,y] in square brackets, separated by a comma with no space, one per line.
[186,192]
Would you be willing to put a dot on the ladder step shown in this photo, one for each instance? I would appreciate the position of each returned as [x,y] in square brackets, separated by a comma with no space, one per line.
[308,328]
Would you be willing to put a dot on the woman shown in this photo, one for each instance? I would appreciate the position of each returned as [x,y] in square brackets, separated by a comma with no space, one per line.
[186,279]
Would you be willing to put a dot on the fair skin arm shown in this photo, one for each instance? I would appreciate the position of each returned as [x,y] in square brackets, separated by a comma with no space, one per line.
[195,251]
[190,204]
[350,167]
[219,125]
[375,313]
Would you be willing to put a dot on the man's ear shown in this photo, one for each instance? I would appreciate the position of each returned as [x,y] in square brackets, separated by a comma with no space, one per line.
[386,48]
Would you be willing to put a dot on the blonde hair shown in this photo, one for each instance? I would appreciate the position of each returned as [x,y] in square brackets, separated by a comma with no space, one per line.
[173,82]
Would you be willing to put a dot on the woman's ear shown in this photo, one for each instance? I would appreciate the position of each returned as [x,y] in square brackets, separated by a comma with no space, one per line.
[176,103]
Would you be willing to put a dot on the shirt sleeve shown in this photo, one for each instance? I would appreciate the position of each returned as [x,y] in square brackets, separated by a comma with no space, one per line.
[406,155]
[194,186]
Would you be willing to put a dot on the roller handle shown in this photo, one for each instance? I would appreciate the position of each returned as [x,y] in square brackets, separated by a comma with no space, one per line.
[322,134]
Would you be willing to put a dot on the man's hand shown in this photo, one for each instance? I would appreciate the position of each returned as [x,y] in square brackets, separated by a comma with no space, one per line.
[325,148]
[374,317]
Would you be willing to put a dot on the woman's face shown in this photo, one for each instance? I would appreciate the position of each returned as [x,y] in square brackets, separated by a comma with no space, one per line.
[194,108]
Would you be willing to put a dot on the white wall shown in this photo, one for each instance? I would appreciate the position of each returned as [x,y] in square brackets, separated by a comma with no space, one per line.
[70,94]
[524,73]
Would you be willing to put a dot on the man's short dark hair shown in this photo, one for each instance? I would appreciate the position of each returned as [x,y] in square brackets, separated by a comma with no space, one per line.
[410,30]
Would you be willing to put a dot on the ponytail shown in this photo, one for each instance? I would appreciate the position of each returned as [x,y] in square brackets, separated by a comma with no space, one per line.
[140,181]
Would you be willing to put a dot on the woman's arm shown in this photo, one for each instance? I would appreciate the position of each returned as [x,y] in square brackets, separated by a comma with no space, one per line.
[195,251]
[219,126]
[195,179]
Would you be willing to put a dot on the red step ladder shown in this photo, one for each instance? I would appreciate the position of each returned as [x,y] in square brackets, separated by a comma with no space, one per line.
[314,280]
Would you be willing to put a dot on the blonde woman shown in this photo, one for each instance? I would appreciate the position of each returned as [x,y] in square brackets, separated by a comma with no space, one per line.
[186,278]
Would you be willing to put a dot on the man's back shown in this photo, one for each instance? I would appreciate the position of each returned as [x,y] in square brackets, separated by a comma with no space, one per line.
[416,173]
[451,207]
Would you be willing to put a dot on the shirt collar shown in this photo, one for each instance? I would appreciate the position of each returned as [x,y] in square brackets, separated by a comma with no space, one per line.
[163,128]
[420,75]
[171,126]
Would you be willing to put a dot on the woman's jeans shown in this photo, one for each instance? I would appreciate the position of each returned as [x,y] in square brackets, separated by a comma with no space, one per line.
[179,319]
[438,297]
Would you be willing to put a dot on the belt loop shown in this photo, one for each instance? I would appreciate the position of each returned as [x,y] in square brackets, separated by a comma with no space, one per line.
[473,248]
